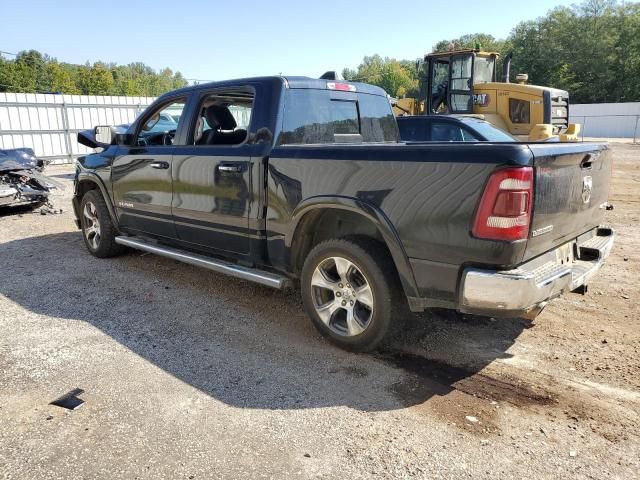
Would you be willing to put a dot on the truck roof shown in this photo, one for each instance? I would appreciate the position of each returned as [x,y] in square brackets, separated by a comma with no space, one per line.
[288,81]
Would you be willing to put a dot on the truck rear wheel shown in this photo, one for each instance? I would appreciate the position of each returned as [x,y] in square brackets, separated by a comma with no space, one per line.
[98,230]
[347,292]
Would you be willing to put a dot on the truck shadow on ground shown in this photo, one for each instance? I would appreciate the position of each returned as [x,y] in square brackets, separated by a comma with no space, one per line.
[245,345]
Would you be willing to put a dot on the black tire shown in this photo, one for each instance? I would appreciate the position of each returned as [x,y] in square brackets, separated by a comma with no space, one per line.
[101,242]
[371,262]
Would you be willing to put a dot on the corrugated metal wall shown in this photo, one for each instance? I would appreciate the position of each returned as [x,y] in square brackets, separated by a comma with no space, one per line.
[49,123]
[607,120]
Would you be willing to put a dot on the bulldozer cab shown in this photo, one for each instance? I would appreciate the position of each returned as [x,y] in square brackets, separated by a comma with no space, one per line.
[451,77]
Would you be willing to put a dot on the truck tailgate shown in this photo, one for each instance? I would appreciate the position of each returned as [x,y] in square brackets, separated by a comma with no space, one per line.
[571,191]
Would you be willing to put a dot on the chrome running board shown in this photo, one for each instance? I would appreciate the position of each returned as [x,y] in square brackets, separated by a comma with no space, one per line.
[251,274]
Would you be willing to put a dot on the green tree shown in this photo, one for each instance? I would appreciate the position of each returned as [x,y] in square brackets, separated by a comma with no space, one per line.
[60,79]
[96,80]
[34,72]
[595,68]
[486,42]
[592,50]
[33,67]
[397,78]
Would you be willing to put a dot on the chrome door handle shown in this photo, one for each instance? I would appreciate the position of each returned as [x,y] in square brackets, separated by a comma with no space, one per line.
[160,165]
[231,168]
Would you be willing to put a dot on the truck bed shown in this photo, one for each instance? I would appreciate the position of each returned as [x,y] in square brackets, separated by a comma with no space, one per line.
[429,193]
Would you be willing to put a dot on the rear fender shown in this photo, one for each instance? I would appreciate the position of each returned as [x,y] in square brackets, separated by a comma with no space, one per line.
[372,214]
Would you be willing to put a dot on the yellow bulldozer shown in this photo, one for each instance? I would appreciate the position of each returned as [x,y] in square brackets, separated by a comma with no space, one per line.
[463,82]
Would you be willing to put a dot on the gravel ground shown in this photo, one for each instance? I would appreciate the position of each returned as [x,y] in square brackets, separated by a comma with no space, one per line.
[189,374]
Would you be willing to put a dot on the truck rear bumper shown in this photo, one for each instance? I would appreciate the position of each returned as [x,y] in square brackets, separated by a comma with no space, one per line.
[525,290]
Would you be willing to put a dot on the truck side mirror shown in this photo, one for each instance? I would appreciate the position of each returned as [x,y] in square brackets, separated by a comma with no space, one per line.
[105,135]
[98,137]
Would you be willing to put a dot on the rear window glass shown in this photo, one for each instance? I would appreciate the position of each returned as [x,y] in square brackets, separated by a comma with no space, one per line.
[344,117]
[312,116]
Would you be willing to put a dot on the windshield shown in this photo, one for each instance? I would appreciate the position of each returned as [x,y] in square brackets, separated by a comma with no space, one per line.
[483,69]
[488,131]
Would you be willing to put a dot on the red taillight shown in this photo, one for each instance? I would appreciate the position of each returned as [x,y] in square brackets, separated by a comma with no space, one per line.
[504,212]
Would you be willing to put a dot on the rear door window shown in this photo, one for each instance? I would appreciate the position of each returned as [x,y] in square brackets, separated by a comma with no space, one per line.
[223,117]
[317,116]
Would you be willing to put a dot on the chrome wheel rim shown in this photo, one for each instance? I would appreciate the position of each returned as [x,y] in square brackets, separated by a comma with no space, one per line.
[91,225]
[342,296]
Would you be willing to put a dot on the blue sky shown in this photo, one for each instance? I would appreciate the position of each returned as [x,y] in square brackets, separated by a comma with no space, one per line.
[215,40]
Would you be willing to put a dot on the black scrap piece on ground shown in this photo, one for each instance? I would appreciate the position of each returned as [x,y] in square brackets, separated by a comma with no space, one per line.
[70,400]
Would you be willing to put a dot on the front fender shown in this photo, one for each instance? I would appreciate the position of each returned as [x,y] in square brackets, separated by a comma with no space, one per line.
[89,176]
[374,215]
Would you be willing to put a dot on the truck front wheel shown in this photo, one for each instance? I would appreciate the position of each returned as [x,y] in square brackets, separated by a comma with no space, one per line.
[347,291]
[98,230]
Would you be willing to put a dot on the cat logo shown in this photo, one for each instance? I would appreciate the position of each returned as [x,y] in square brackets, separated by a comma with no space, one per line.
[481,99]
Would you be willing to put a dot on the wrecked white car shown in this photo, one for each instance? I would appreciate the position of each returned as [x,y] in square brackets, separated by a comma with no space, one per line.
[21,180]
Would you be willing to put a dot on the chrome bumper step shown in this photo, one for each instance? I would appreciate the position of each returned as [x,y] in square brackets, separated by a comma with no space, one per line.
[524,289]
[246,273]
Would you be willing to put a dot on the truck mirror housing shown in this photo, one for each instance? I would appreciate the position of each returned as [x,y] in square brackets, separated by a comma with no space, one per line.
[105,135]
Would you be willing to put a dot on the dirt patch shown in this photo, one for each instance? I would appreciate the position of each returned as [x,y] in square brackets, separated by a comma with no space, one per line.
[179,365]
[576,367]
[460,396]
[441,378]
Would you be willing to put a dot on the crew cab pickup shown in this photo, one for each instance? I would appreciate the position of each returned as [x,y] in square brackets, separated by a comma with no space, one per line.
[292,180]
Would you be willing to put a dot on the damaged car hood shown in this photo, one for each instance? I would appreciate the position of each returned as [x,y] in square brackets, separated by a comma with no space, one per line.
[21,180]
[19,159]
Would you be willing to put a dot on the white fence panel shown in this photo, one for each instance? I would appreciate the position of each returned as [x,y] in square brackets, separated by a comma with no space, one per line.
[49,123]
[607,120]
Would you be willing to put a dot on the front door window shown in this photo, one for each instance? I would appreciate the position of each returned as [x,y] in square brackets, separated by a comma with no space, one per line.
[160,127]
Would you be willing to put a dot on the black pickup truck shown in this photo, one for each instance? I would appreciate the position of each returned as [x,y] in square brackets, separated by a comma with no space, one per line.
[291,179]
